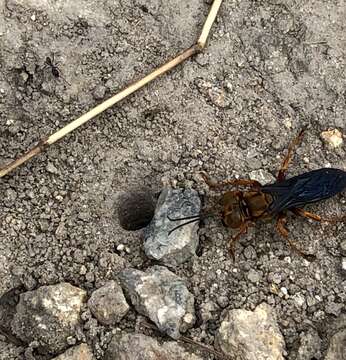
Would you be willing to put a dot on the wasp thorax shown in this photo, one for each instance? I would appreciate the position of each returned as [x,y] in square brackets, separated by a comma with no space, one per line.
[232,215]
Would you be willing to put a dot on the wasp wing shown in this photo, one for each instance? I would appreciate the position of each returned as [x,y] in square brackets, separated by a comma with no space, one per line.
[305,188]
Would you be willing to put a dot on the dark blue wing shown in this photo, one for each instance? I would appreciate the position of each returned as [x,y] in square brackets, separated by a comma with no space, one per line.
[305,188]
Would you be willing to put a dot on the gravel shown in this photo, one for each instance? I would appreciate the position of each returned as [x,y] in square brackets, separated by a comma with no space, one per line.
[269,69]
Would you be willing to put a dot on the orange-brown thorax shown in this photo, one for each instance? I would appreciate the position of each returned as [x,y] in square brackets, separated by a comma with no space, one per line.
[242,206]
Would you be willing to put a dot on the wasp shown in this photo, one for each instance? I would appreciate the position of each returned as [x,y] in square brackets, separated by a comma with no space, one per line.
[242,209]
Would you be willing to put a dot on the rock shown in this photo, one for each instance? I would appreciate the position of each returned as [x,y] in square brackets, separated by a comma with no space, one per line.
[337,347]
[332,138]
[110,264]
[310,346]
[49,315]
[142,347]
[51,168]
[108,304]
[172,249]
[80,352]
[99,92]
[162,296]
[262,176]
[251,335]
[215,94]
[254,276]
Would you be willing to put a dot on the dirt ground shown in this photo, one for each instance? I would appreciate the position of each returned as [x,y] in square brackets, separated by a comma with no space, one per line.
[269,69]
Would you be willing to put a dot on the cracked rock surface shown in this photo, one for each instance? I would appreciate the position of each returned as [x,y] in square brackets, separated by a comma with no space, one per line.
[49,316]
[176,247]
[161,296]
[108,304]
[251,335]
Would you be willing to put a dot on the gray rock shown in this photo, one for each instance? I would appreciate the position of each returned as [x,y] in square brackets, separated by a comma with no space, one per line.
[80,352]
[108,304]
[254,276]
[310,346]
[251,335]
[99,92]
[49,315]
[175,248]
[337,347]
[142,347]
[162,296]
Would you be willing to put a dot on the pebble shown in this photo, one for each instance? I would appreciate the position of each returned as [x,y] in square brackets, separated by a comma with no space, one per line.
[250,335]
[108,304]
[162,296]
[99,92]
[49,315]
[333,138]
[51,168]
[254,276]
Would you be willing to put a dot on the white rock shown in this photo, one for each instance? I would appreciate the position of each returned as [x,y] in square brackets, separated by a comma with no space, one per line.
[332,138]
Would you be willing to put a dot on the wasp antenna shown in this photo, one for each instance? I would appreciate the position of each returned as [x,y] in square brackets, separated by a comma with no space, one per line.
[183,218]
[181,225]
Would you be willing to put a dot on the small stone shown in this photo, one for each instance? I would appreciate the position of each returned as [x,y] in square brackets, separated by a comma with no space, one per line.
[284,291]
[33,17]
[337,346]
[162,296]
[262,176]
[80,352]
[299,300]
[333,138]
[108,304]
[254,276]
[139,346]
[24,76]
[172,249]
[334,308]
[52,169]
[251,335]
[99,92]
[121,247]
[49,315]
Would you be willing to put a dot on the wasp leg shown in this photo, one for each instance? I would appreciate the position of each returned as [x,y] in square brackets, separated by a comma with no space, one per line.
[282,230]
[234,239]
[234,182]
[284,166]
[309,215]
